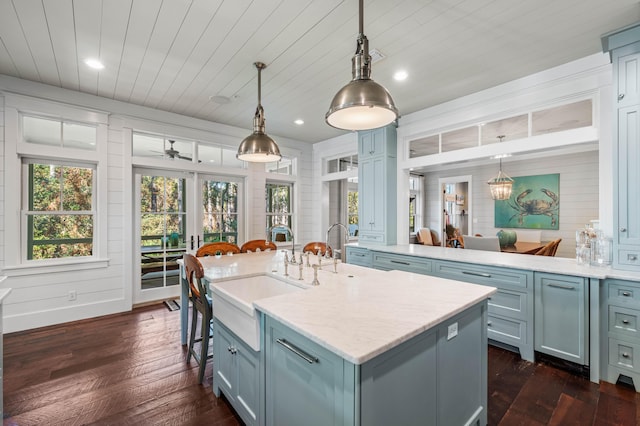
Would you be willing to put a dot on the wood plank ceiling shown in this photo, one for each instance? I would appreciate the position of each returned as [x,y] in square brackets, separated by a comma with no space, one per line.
[175,55]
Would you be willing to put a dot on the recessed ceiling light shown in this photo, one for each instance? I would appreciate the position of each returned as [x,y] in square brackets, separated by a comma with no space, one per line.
[299,122]
[219,99]
[94,63]
[400,75]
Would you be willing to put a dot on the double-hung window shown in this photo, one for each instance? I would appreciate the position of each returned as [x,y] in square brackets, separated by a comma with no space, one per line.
[279,204]
[58,213]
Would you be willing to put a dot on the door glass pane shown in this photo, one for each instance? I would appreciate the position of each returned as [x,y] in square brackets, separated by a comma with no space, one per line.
[163,228]
[220,211]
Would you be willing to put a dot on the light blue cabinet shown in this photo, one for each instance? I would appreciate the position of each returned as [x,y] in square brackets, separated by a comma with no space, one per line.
[621,330]
[377,189]
[388,262]
[358,256]
[435,378]
[561,320]
[305,383]
[624,47]
[510,317]
[236,373]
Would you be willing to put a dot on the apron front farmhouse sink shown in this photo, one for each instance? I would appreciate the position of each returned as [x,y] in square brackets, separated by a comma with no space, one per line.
[233,303]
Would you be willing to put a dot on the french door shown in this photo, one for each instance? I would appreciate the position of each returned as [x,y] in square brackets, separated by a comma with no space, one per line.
[164,226]
[176,212]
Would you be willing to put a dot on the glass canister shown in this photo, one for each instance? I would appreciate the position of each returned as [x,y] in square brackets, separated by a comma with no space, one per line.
[601,251]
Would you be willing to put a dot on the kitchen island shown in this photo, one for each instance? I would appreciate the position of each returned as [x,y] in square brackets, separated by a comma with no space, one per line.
[363,347]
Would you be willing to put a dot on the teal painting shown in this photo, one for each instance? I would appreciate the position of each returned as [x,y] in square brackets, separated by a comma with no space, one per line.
[534,203]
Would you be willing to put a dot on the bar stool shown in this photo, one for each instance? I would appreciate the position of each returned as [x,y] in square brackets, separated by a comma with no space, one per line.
[201,303]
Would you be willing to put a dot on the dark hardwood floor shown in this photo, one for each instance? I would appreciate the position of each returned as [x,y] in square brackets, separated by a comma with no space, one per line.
[130,369]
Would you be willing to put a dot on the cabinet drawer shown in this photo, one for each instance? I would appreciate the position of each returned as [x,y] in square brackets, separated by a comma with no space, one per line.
[359,256]
[629,257]
[371,237]
[624,292]
[487,275]
[388,262]
[623,354]
[506,330]
[511,304]
[622,320]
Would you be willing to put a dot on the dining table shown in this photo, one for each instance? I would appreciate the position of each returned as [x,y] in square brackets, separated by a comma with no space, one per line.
[523,247]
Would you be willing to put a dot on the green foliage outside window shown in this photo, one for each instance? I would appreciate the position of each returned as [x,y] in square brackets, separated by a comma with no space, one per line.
[162,205]
[279,206]
[352,199]
[220,211]
[59,214]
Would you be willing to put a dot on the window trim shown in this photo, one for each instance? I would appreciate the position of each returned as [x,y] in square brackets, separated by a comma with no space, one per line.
[16,149]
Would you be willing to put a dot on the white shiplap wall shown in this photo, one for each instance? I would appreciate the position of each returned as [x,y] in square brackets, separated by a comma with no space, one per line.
[42,299]
[579,197]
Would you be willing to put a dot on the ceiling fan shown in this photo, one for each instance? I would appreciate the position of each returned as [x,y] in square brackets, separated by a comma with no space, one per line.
[174,153]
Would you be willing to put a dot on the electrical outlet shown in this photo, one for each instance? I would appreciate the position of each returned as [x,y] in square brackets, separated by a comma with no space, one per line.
[452,331]
[73,295]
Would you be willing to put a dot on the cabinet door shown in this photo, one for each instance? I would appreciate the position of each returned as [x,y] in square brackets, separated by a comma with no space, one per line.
[561,323]
[628,176]
[371,143]
[223,362]
[372,195]
[305,383]
[247,394]
[628,79]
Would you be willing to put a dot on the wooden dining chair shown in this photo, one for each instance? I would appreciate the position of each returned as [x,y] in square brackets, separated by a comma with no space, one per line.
[317,246]
[549,249]
[211,249]
[201,304]
[258,245]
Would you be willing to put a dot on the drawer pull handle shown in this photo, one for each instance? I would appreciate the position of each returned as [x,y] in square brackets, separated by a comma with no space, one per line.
[302,354]
[489,324]
[400,262]
[232,350]
[625,355]
[477,274]
[633,257]
[621,96]
[623,229]
[564,287]
[626,293]
[625,321]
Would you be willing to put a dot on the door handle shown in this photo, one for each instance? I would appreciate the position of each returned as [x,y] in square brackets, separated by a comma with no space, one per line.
[198,240]
[192,242]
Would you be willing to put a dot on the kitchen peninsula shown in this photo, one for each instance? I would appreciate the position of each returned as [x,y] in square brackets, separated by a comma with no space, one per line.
[363,347]
[549,305]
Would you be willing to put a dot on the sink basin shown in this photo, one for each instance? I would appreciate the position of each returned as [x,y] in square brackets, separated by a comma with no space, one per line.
[233,304]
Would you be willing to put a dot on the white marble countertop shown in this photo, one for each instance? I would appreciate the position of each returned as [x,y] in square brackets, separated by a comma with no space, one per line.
[357,313]
[557,265]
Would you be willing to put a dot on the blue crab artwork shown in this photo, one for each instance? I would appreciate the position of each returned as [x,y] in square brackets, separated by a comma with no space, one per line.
[534,203]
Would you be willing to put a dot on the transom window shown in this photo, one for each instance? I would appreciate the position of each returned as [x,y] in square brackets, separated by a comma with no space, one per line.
[58,209]
[64,134]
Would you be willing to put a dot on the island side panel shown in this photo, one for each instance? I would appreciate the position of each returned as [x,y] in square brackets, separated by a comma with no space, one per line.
[436,378]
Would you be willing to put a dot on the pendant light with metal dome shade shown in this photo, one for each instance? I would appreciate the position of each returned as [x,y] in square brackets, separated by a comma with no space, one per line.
[362,104]
[258,147]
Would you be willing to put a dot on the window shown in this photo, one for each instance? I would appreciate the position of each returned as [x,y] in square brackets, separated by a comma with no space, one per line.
[283,167]
[352,208]
[58,209]
[220,211]
[279,204]
[58,133]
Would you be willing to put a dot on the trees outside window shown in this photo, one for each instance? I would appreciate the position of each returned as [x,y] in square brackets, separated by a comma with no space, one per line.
[220,211]
[59,210]
[279,204]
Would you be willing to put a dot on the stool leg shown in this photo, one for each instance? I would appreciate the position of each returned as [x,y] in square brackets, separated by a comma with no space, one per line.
[192,336]
[204,346]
